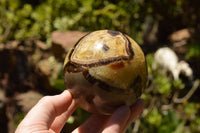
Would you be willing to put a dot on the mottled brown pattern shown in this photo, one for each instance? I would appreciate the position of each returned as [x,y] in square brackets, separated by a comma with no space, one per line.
[129,48]
[103,74]
[113,33]
[71,51]
[71,67]
[100,83]
[88,77]
[101,62]
[105,47]
[117,65]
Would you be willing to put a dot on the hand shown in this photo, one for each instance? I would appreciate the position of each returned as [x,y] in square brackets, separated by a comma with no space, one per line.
[51,113]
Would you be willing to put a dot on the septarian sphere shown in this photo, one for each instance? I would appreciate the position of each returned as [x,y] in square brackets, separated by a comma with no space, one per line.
[104,70]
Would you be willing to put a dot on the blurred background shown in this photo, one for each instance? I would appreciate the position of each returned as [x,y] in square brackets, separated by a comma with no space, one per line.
[36,35]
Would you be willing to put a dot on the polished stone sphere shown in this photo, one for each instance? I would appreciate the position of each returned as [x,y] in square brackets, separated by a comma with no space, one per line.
[104,70]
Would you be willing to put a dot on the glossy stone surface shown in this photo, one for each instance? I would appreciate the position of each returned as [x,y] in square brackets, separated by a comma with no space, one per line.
[105,69]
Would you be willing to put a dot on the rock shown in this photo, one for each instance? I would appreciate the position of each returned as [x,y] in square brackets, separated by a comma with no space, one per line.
[10,45]
[28,100]
[41,45]
[183,34]
[167,59]
[63,41]
[50,67]
[66,39]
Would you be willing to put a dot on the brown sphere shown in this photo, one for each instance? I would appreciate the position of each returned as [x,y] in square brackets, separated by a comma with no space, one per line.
[104,70]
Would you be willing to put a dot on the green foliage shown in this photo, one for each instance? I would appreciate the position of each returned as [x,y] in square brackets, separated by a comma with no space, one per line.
[58,82]
[81,115]
[195,125]
[163,85]
[164,115]
[190,109]
[178,84]
[193,51]
[39,19]
[26,20]
[23,19]
[154,118]
[71,120]
[149,59]
[20,116]
[165,121]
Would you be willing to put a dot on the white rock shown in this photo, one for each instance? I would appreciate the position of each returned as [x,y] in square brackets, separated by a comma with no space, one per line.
[184,67]
[167,59]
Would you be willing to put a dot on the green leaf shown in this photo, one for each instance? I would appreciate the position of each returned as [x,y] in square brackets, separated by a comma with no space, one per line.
[71,120]
[178,84]
[190,109]
[179,128]
[193,51]
[59,84]
[163,85]
[154,118]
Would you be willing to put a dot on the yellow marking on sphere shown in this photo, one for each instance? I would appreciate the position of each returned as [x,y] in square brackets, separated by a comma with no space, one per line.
[99,45]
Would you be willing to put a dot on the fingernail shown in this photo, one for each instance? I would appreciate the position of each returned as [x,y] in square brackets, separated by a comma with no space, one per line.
[139,103]
[138,106]
[123,110]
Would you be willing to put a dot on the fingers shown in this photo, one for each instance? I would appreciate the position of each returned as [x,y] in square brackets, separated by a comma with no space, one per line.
[118,120]
[123,117]
[136,109]
[94,124]
[41,116]
[51,112]
[60,121]
[115,123]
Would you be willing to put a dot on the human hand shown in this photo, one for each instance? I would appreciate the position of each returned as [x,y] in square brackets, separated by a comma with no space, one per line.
[51,113]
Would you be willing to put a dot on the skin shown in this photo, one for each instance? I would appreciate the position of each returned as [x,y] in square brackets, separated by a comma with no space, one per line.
[51,113]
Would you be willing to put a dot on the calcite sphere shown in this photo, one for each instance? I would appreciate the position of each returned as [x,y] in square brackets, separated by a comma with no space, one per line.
[104,70]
